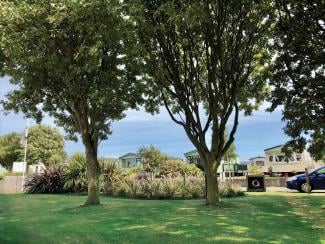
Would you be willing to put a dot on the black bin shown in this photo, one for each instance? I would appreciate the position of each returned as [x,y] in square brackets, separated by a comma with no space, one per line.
[256,183]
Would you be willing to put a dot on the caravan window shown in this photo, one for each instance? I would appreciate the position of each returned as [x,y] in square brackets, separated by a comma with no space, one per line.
[298,156]
[259,163]
[280,158]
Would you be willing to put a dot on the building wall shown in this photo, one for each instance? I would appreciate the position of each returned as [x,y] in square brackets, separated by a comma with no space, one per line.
[130,162]
[269,182]
[194,158]
[11,184]
[36,168]
[259,162]
[295,164]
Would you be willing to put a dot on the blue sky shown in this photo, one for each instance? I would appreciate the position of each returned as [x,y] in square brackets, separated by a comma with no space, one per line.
[254,134]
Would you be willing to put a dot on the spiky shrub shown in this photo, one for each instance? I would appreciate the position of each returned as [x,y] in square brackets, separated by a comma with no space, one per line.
[49,181]
[171,186]
[121,191]
[227,191]
[130,188]
[194,187]
[150,188]
[170,168]
[75,178]
[111,177]
[133,171]
[155,188]
[145,188]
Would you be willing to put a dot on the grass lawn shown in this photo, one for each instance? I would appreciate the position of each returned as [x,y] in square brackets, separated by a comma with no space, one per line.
[259,217]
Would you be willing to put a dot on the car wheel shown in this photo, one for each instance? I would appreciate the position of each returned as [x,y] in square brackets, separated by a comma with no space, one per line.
[304,187]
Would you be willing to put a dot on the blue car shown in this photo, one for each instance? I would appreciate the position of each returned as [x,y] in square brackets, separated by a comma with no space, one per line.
[317,180]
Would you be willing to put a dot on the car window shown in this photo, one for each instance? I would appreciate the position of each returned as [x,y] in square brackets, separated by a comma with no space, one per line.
[321,171]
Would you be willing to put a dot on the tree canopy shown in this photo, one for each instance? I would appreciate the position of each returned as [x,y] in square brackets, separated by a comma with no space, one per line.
[152,157]
[298,72]
[46,145]
[10,150]
[73,60]
[204,58]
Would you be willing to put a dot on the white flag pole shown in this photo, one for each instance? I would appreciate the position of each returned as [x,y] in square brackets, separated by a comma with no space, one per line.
[25,152]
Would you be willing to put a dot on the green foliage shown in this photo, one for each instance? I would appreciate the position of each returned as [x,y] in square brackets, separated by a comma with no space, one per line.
[49,181]
[192,170]
[122,191]
[133,171]
[10,150]
[227,191]
[297,73]
[169,188]
[45,144]
[111,177]
[175,167]
[131,188]
[69,65]
[150,189]
[75,61]
[74,176]
[2,176]
[171,168]
[152,158]
[254,170]
[231,154]
[205,60]
[155,188]
[194,188]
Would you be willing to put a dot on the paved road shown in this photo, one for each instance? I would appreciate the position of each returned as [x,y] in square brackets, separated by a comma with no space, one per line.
[282,189]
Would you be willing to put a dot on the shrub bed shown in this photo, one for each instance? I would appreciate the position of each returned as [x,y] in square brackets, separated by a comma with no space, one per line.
[174,181]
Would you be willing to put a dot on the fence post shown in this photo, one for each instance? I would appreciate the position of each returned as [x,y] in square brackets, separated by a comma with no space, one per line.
[307,181]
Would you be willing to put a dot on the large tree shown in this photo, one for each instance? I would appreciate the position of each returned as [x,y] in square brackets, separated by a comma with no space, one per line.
[10,150]
[298,72]
[46,145]
[71,59]
[204,58]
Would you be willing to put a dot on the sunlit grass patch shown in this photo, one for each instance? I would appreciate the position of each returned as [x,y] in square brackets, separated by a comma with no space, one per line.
[271,218]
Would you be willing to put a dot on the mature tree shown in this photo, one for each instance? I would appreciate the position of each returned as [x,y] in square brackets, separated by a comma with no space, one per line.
[10,150]
[231,154]
[298,72]
[45,144]
[152,157]
[72,60]
[204,58]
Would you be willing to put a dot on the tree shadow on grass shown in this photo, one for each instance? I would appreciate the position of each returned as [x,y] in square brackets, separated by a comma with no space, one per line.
[267,218]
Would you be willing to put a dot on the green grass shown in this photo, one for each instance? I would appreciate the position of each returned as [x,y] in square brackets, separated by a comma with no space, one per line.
[257,218]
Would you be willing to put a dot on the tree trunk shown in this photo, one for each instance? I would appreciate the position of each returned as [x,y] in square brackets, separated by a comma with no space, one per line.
[93,177]
[212,195]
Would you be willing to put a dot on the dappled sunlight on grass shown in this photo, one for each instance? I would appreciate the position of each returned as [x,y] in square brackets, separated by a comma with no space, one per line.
[272,218]
[230,239]
[308,215]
